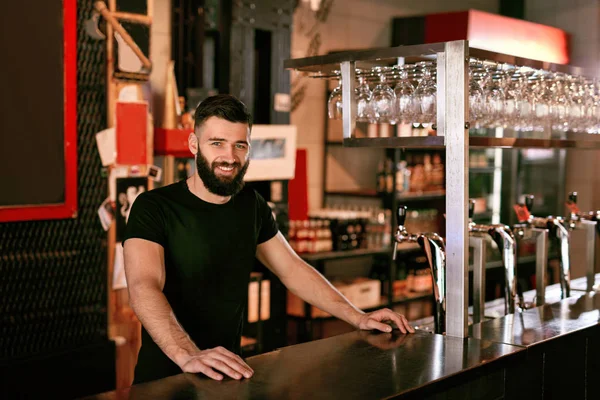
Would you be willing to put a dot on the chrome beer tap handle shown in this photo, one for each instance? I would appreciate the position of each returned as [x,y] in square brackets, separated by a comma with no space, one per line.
[435,253]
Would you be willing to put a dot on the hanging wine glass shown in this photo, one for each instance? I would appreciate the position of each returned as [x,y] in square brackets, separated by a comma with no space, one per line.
[476,99]
[543,100]
[494,100]
[404,91]
[362,94]
[334,104]
[592,108]
[576,104]
[510,115]
[559,104]
[425,95]
[525,100]
[383,99]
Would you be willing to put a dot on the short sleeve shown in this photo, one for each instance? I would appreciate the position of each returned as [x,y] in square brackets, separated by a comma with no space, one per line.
[268,225]
[146,220]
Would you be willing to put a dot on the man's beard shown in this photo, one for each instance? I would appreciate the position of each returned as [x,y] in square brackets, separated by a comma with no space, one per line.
[221,186]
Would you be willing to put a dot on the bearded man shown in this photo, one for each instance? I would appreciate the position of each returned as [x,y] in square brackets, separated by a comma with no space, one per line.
[190,248]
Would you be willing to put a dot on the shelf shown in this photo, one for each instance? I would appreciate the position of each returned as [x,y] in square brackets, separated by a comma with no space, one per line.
[353,193]
[409,142]
[327,64]
[431,195]
[483,170]
[410,196]
[573,141]
[338,255]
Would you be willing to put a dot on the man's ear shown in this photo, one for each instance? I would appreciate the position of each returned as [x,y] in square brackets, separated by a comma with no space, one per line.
[193,143]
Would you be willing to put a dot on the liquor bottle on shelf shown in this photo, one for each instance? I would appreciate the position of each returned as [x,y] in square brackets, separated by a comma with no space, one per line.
[311,239]
[427,171]
[328,244]
[302,236]
[437,172]
[380,184]
[417,179]
[292,235]
[389,177]
[402,177]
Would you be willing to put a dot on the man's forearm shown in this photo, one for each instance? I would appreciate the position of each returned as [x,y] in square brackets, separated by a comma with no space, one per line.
[308,284]
[155,313]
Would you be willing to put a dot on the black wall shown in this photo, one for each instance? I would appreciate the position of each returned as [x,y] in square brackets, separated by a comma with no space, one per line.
[53,274]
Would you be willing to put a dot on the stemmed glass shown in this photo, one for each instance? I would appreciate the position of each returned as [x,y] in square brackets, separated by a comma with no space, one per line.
[424,98]
[494,99]
[362,94]
[383,100]
[592,108]
[559,104]
[525,100]
[543,98]
[404,91]
[576,104]
[334,104]
[476,99]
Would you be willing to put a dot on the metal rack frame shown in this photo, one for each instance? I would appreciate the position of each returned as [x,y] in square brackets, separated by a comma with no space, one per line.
[452,59]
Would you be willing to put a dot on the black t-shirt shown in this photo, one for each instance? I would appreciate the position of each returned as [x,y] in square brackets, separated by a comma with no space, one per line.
[209,253]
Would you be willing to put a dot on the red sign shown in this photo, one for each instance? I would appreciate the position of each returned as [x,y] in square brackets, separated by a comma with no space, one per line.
[500,34]
[523,213]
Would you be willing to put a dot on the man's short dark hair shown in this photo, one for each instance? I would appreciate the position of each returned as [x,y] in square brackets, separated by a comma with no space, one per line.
[222,106]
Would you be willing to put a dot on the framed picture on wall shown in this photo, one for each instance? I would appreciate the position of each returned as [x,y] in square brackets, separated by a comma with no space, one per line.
[272,153]
[128,189]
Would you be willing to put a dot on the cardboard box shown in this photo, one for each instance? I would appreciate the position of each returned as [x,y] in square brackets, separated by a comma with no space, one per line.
[362,292]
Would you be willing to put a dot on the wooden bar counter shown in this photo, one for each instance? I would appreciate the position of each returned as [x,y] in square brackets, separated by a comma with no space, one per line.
[357,365]
[552,351]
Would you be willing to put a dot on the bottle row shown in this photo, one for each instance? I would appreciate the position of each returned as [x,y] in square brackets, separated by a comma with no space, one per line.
[337,229]
[340,230]
[418,173]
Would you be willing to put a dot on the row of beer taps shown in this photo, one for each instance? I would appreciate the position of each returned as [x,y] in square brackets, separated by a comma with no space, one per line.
[542,229]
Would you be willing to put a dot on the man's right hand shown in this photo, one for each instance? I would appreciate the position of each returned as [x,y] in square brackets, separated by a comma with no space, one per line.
[209,361]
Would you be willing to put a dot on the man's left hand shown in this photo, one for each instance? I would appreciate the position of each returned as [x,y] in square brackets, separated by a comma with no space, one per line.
[381,319]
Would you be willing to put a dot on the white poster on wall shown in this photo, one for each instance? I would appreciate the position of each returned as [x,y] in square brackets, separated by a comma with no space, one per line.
[272,153]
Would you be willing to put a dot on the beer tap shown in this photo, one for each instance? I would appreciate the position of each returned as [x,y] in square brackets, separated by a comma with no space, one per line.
[560,233]
[525,231]
[587,223]
[435,251]
[504,238]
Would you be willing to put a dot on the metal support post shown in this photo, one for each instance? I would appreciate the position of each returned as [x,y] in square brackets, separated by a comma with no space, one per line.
[348,100]
[478,244]
[452,112]
[541,264]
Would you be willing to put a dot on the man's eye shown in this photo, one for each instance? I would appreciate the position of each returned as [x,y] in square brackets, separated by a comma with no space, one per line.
[242,146]
[216,143]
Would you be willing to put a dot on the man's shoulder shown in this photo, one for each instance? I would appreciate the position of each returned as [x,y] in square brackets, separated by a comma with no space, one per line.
[165,192]
[161,195]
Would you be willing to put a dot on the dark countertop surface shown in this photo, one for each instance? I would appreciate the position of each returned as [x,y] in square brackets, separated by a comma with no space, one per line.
[366,365]
[581,283]
[357,365]
[495,308]
[540,324]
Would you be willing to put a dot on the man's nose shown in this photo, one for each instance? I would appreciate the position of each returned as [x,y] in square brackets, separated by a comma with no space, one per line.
[228,154]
